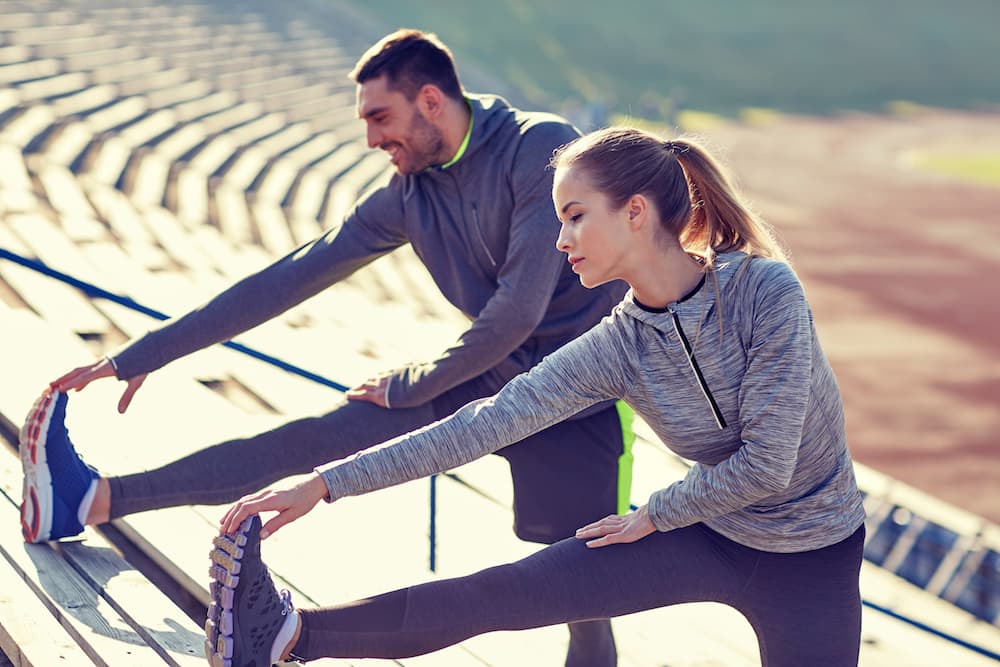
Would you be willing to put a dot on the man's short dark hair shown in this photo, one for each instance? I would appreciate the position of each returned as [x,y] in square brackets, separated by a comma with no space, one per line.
[410,59]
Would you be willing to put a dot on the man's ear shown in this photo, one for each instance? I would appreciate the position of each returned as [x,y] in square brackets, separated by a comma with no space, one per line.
[430,101]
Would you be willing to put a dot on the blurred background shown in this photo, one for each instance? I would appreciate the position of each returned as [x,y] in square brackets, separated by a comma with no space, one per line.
[867,133]
[162,150]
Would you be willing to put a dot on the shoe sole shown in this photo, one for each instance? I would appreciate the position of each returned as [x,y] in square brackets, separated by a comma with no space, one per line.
[220,626]
[36,498]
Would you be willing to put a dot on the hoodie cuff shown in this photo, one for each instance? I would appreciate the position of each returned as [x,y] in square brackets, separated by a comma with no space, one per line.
[388,387]
[324,472]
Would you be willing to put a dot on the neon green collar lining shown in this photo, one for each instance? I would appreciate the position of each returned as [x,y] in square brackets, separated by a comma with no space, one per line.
[465,142]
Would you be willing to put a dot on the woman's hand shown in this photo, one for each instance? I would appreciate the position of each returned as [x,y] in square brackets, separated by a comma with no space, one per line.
[290,504]
[617,529]
[80,377]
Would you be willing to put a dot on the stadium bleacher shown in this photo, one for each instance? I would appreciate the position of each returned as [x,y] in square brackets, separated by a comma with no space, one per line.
[163,150]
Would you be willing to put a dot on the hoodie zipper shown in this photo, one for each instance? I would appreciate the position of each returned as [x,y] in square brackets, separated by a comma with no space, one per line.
[716,412]
[479,235]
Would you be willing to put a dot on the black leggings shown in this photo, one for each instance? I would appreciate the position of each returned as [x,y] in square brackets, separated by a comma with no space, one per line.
[804,607]
[564,477]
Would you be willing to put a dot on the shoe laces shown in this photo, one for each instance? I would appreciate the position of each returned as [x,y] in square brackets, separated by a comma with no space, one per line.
[286,602]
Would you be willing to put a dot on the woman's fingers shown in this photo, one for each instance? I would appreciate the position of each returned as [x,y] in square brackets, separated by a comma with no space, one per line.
[290,504]
[615,529]
[238,512]
[608,524]
[279,520]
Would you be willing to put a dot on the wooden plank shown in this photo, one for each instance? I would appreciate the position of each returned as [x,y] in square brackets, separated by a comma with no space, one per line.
[104,635]
[158,621]
[29,634]
[154,617]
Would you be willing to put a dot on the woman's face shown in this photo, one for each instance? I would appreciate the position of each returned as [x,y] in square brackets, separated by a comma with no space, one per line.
[593,234]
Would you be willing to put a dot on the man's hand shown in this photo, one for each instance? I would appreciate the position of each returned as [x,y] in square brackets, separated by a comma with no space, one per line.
[290,503]
[617,529]
[373,390]
[78,378]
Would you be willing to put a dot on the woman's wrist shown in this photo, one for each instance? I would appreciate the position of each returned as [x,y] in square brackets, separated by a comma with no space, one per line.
[318,488]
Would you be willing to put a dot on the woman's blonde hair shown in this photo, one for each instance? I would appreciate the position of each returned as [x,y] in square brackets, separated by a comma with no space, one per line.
[696,202]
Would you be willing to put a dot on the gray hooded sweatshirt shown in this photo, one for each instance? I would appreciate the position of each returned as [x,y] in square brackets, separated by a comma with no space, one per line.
[484,227]
[731,377]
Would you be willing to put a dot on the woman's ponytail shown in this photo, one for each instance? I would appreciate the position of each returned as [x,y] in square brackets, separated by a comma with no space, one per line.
[696,202]
[719,221]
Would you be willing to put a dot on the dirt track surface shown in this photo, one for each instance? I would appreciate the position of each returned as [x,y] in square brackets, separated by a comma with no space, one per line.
[902,269]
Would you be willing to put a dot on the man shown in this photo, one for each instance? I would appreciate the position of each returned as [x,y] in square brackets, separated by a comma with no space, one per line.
[472,195]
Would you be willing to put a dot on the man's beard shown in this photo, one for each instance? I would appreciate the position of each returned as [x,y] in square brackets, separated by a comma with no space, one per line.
[425,145]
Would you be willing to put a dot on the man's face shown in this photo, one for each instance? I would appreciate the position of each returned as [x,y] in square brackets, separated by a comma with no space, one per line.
[399,127]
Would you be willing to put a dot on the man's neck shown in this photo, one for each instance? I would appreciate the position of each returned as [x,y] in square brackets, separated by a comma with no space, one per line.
[455,127]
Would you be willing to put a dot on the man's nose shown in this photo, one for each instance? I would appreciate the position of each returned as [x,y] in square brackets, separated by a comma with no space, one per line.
[374,137]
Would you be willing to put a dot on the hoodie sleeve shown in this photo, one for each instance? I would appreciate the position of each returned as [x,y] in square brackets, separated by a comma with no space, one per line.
[774,394]
[525,283]
[586,371]
[372,229]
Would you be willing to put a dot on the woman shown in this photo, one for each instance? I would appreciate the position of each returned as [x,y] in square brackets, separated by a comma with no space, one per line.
[714,347]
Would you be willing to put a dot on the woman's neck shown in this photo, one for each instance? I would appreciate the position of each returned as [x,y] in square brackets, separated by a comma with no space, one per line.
[665,276]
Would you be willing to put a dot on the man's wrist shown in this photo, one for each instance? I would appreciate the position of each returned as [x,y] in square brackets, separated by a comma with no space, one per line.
[114,364]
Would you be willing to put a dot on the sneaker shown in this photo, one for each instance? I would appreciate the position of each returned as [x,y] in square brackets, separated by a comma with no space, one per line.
[56,480]
[247,612]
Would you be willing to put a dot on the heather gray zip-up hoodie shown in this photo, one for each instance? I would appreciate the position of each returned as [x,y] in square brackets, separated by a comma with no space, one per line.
[755,407]
[484,227]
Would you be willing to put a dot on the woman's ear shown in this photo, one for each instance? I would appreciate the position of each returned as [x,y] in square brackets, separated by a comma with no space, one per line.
[637,208]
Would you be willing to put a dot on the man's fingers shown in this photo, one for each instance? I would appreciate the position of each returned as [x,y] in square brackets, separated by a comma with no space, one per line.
[133,386]
[77,379]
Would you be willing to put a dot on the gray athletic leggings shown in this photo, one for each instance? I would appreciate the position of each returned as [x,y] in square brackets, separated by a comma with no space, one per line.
[805,607]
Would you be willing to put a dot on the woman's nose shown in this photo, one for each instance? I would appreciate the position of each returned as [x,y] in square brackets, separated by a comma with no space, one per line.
[562,243]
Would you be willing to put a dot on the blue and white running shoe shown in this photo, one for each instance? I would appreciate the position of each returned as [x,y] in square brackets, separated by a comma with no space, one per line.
[247,612]
[56,479]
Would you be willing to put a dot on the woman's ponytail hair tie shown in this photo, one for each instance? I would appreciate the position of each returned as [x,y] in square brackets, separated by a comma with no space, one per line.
[675,147]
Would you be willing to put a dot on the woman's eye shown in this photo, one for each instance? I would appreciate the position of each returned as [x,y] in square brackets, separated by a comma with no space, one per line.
[575,218]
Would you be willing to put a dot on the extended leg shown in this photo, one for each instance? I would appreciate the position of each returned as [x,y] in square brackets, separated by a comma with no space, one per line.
[223,473]
[566,582]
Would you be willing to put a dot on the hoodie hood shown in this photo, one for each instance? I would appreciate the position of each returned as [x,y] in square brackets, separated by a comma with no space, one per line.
[699,304]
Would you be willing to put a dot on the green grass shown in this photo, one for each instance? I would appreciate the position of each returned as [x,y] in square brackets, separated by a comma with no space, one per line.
[645,58]
[978,168]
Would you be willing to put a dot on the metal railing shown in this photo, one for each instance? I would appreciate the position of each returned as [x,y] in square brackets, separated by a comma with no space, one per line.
[128,302]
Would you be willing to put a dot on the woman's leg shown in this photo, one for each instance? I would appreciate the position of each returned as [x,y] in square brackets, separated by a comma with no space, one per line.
[225,472]
[562,583]
[806,607]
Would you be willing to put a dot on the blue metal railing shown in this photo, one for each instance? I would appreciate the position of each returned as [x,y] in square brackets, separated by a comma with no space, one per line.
[95,291]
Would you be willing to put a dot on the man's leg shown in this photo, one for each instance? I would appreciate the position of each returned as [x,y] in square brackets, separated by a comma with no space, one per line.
[225,472]
[565,477]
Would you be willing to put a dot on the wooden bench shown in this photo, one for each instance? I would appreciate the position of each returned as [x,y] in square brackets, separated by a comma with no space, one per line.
[81,602]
